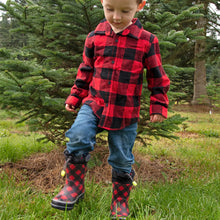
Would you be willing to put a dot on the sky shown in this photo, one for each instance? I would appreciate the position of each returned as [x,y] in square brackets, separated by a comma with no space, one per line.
[2,1]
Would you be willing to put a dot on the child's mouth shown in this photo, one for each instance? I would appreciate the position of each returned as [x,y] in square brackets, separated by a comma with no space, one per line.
[117,23]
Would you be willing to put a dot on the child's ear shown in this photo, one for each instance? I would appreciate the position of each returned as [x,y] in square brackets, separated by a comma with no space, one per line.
[101,1]
[140,6]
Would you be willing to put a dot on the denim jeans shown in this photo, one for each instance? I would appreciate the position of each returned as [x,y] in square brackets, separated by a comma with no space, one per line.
[82,138]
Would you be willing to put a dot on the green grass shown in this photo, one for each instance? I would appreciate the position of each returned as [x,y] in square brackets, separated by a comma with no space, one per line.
[201,122]
[16,147]
[194,196]
[184,199]
[16,142]
[197,153]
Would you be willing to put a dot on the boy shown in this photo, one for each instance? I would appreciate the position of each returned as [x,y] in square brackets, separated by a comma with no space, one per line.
[109,84]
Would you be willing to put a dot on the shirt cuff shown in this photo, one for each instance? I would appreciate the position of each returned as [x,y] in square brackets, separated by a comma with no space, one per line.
[158,109]
[73,100]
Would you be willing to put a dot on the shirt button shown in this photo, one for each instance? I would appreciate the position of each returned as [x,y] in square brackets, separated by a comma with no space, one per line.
[106,105]
[109,82]
[116,41]
[113,62]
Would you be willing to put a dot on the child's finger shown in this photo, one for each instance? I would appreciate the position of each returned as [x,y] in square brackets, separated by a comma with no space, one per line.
[156,118]
[70,108]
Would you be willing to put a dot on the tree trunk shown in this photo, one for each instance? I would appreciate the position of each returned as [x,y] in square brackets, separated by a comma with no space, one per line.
[200,93]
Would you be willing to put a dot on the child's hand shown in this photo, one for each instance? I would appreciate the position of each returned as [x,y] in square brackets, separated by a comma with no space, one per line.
[70,108]
[156,118]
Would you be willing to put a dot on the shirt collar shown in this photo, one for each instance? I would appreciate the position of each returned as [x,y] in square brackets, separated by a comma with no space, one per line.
[134,30]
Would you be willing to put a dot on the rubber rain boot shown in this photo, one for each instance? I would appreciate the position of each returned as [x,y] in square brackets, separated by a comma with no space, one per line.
[73,189]
[122,184]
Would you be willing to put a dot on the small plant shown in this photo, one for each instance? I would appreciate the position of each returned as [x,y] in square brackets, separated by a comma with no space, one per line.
[210,133]
[211,120]
[184,126]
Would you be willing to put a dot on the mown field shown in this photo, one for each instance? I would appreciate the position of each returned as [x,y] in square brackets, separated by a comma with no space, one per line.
[177,179]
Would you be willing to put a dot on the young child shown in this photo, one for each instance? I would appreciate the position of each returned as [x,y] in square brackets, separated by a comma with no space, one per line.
[109,84]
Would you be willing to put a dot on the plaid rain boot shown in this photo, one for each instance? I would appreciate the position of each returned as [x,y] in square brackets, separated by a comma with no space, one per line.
[73,190]
[122,184]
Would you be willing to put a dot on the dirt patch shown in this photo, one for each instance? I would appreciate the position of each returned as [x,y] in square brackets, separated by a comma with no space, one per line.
[42,170]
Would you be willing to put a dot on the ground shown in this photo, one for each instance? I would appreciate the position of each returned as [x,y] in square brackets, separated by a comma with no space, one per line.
[42,170]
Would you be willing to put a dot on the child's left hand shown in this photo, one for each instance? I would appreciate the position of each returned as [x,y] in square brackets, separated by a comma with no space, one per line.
[156,118]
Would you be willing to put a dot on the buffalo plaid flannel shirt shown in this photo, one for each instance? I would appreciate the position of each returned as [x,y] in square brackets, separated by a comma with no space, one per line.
[110,77]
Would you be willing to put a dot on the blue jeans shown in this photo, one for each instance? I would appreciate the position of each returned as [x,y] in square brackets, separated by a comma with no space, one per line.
[82,138]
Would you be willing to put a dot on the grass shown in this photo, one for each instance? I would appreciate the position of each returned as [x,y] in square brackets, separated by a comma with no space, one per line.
[194,196]
[15,147]
[198,122]
[184,199]
[16,142]
[200,153]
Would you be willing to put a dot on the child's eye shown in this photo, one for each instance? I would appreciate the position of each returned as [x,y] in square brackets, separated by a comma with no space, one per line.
[125,11]
[110,9]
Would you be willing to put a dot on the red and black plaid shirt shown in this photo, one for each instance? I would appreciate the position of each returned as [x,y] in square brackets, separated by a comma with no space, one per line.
[110,78]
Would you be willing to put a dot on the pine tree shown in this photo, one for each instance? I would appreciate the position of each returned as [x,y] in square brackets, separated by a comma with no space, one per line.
[38,77]
[8,38]
[29,87]
[200,94]
[203,49]
[173,23]
[183,17]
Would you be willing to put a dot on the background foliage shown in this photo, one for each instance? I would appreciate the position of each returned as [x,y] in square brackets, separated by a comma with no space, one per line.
[41,44]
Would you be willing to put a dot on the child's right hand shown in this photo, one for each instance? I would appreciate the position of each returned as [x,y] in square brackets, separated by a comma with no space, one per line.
[70,108]
[156,118]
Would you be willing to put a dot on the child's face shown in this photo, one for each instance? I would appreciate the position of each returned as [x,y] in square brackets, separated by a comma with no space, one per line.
[119,13]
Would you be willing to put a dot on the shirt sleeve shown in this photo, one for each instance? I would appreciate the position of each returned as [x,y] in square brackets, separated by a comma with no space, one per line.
[84,75]
[158,82]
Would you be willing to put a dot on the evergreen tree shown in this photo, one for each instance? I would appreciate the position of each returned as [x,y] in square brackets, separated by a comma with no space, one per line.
[204,49]
[174,24]
[9,38]
[29,87]
[184,17]
[38,77]
[200,94]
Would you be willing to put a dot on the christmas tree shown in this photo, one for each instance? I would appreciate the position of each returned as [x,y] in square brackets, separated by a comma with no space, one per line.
[37,78]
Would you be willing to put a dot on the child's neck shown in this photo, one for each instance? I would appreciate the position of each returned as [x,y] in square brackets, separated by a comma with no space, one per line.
[117,30]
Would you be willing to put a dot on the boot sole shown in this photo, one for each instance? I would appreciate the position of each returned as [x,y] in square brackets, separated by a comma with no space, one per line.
[66,206]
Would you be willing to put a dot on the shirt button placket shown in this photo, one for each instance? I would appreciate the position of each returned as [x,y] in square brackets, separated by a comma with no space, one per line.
[114,53]
[115,43]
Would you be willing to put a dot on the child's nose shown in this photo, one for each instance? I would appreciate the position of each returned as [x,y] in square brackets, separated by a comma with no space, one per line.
[117,16]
